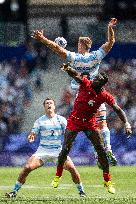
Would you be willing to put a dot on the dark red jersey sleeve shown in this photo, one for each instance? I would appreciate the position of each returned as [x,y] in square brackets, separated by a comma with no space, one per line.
[86,82]
[109,99]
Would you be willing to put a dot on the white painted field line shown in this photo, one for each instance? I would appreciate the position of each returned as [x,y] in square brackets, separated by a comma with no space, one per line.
[46,186]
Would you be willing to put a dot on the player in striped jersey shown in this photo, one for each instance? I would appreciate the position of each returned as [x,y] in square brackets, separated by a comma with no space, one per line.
[89,61]
[50,128]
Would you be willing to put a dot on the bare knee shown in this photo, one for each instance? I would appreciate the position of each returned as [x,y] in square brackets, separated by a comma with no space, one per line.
[28,168]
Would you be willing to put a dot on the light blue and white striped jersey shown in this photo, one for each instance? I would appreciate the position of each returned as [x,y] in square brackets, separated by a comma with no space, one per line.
[50,130]
[89,62]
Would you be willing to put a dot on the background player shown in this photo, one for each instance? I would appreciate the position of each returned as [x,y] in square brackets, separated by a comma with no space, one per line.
[88,61]
[50,127]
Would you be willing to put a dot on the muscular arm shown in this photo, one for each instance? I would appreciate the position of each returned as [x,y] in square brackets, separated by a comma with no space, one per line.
[72,72]
[38,35]
[111,36]
[123,117]
[120,113]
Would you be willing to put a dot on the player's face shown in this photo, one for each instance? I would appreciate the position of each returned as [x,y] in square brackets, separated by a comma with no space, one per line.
[99,80]
[49,106]
[81,47]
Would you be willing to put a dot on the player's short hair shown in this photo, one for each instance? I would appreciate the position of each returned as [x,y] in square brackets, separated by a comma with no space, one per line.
[48,98]
[86,40]
[86,74]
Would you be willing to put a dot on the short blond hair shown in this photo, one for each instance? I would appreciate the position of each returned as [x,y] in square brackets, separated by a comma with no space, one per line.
[86,40]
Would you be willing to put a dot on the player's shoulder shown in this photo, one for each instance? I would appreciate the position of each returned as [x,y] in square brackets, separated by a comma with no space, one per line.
[41,118]
[86,82]
[60,117]
[100,50]
[106,93]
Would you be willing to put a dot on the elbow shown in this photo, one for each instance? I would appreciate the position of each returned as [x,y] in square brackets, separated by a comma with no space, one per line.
[113,40]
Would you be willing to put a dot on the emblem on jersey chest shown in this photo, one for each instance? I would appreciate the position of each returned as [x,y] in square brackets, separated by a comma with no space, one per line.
[91,102]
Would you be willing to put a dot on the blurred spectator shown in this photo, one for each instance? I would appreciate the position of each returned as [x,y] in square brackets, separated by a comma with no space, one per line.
[30,56]
[66,102]
[42,56]
[15,93]
[64,26]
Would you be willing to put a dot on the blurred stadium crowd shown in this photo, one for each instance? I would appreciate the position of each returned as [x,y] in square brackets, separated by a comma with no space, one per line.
[15,90]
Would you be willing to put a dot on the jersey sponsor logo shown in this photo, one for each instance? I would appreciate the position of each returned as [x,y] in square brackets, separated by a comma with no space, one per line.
[91,102]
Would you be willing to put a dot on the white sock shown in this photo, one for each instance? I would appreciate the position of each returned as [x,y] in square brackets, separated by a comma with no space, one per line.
[17,186]
[80,187]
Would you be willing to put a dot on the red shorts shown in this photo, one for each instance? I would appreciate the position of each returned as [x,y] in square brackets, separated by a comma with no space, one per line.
[78,124]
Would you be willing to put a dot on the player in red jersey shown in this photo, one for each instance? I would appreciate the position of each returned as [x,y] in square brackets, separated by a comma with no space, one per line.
[82,118]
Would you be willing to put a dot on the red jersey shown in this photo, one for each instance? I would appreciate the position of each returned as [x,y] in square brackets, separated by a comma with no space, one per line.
[85,107]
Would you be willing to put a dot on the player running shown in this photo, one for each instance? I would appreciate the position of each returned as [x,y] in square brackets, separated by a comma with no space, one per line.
[89,61]
[50,128]
[82,118]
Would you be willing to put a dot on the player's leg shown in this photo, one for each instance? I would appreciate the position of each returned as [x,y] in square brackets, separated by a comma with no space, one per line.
[69,137]
[106,135]
[69,166]
[101,120]
[32,163]
[97,140]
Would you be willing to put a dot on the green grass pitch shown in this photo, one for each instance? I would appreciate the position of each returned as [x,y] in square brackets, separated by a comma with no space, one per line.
[38,190]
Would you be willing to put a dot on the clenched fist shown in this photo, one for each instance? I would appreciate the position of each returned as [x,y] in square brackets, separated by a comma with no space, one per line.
[113,22]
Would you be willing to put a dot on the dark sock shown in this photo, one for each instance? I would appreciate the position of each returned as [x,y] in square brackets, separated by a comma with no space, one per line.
[107,177]
[59,171]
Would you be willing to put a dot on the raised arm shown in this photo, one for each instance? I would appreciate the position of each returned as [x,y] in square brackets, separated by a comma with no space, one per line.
[72,72]
[38,35]
[123,117]
[111,36]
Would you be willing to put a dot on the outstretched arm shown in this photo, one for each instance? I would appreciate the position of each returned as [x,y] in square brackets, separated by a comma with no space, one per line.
[123,117]
[38,35]
[111,36]
[72,72]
